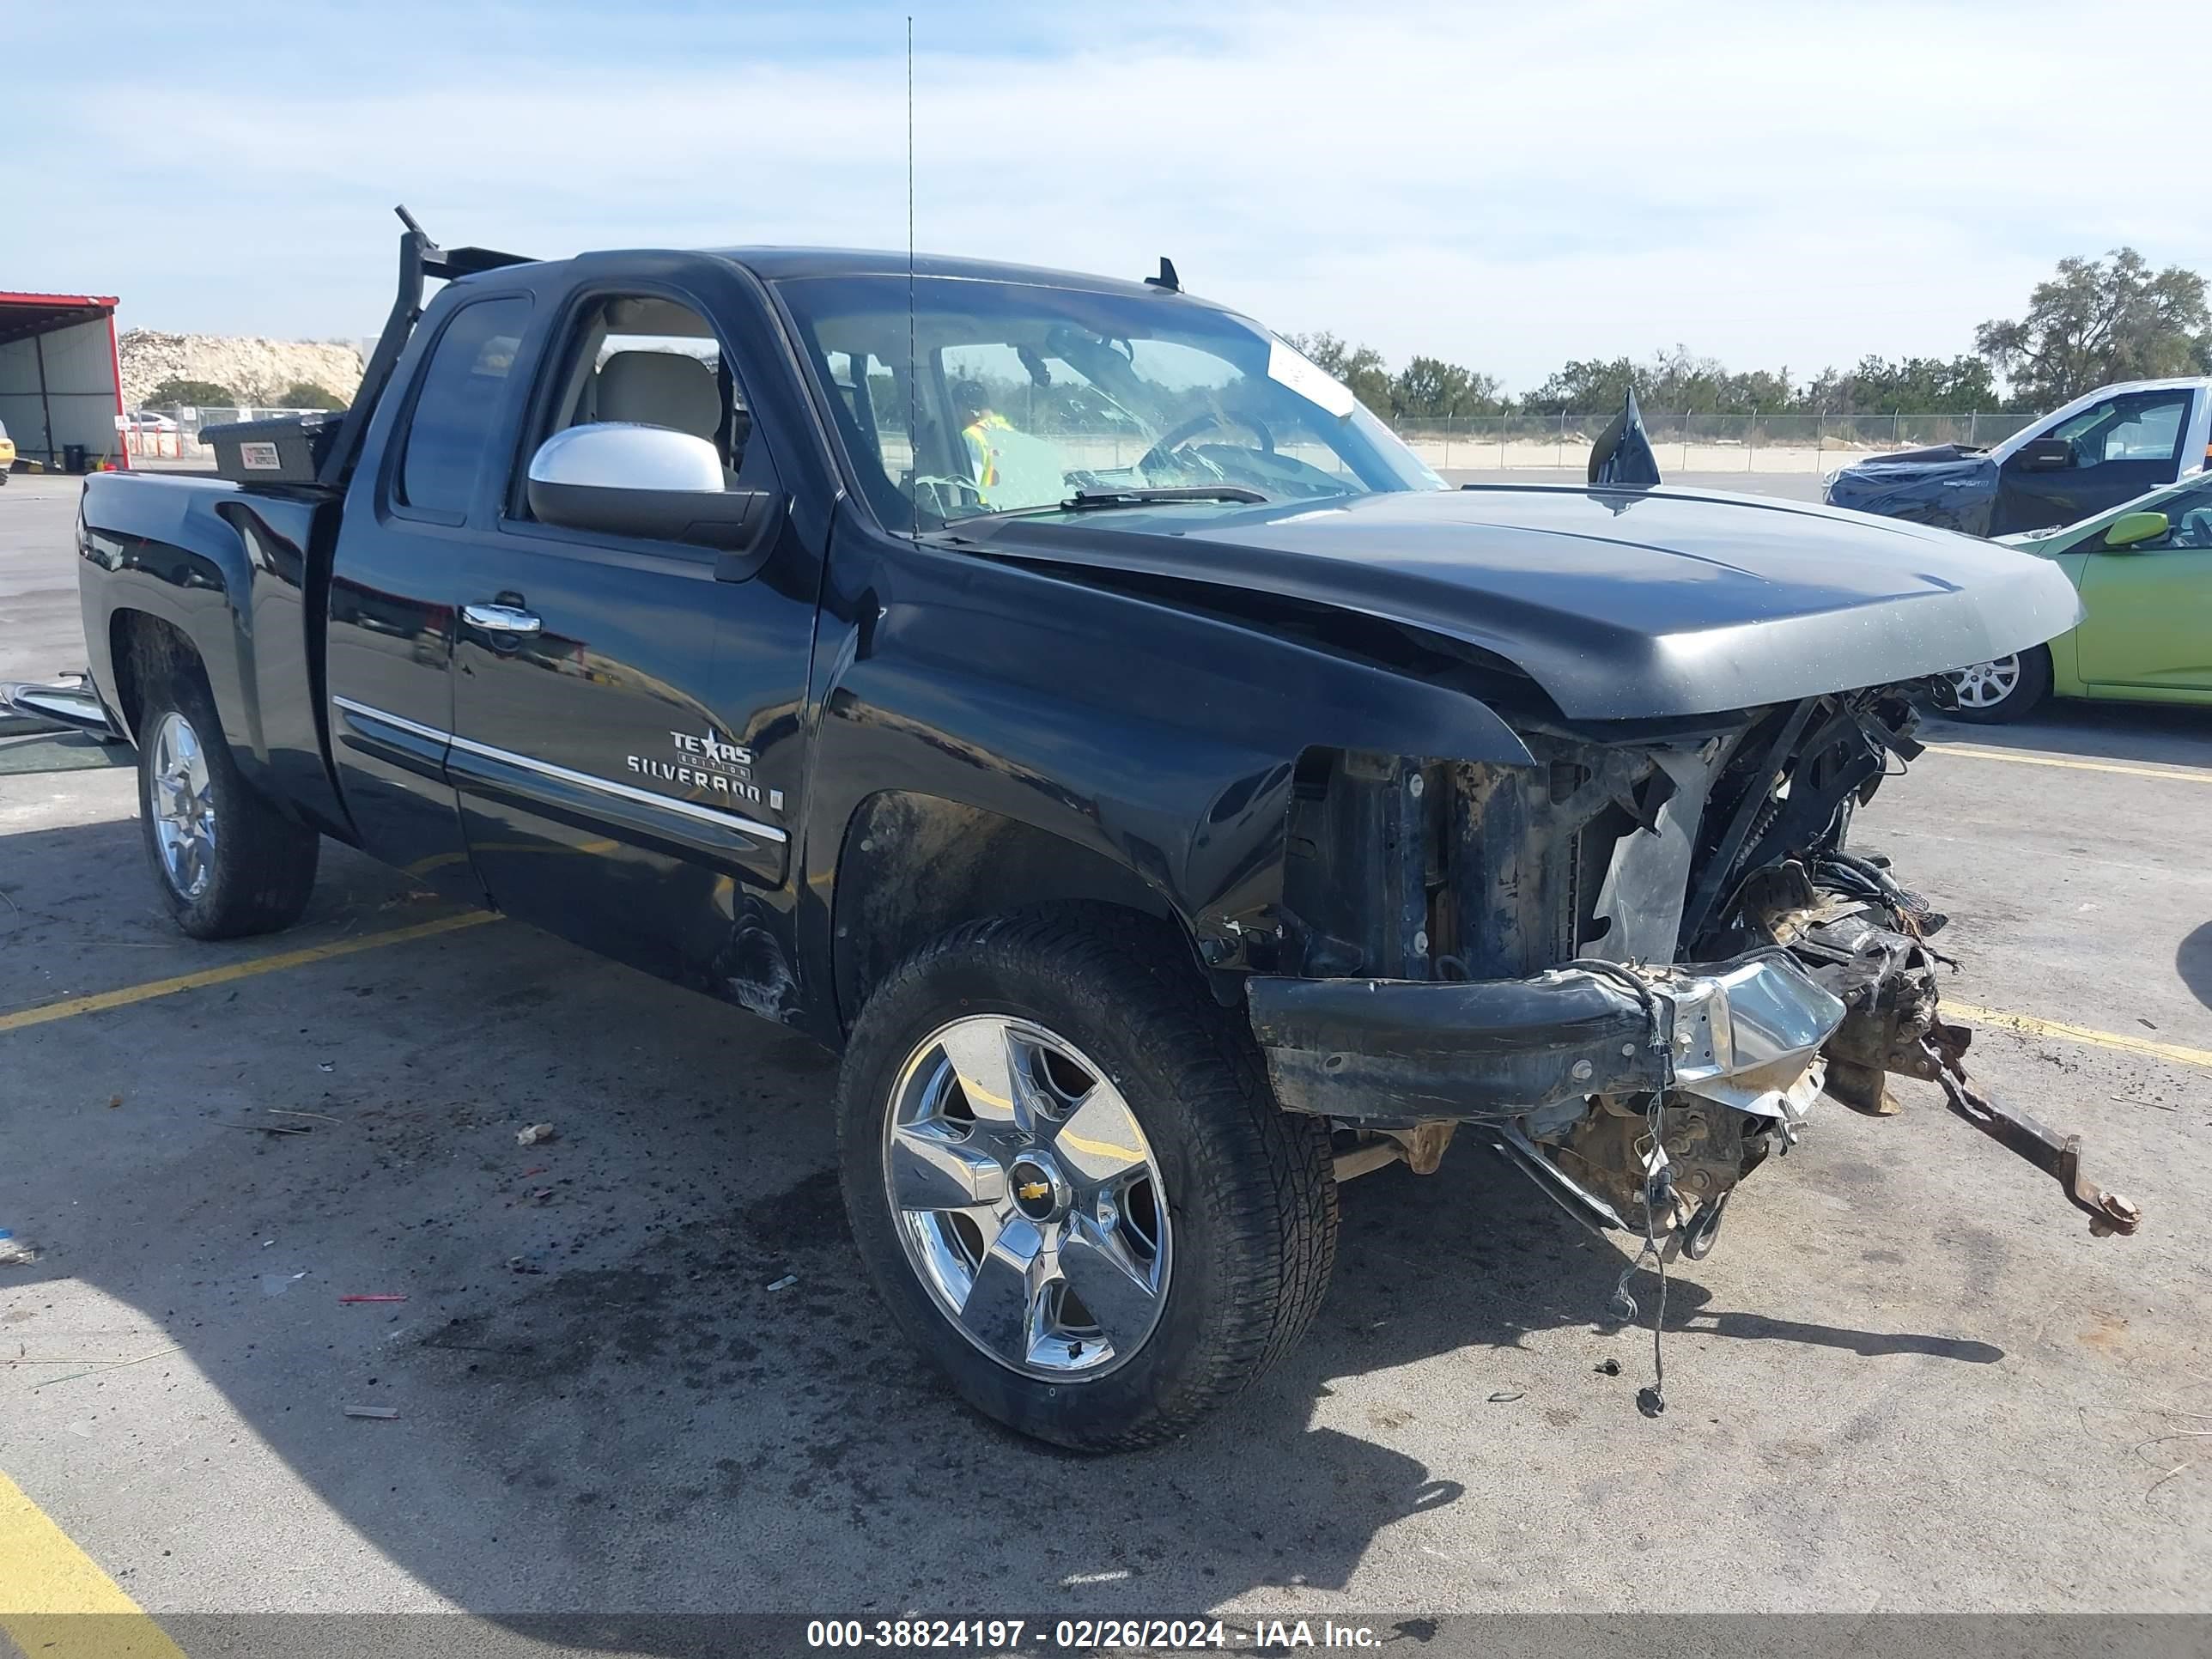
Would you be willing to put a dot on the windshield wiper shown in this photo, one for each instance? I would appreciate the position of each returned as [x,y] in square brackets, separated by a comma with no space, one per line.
[1105,500]
[1097,501]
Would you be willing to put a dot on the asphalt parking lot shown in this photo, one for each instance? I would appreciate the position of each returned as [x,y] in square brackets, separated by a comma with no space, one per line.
[1907,1380]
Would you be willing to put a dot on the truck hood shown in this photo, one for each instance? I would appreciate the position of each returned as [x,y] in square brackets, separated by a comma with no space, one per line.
[1619,604]
[1947,486]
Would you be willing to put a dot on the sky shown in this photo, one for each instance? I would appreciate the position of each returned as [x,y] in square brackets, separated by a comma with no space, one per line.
[1506,187]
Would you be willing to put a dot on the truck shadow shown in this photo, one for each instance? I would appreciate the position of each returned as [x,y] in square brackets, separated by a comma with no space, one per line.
[665,1385]
[2192,961]
[669,1406]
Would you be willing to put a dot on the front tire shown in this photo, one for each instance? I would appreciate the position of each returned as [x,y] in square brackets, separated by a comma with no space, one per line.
[226,862]
[1069,1183]
[2002,690]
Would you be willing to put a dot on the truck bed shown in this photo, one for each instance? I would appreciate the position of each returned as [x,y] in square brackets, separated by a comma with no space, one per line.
[244,574]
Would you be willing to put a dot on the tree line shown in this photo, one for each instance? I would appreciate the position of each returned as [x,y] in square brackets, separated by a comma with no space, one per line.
[174,393]
[2095,321]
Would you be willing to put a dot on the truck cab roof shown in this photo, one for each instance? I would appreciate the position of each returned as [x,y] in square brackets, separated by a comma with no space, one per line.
[781,263]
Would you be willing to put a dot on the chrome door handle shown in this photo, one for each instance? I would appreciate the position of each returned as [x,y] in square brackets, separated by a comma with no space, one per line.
[500,618]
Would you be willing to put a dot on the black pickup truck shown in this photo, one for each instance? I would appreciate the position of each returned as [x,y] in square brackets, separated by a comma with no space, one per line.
[1064,699]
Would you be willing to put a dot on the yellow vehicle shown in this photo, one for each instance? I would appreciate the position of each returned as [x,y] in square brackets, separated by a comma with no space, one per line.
[7,453]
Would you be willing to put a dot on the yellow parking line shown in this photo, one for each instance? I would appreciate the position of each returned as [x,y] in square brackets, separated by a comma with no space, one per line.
[56,1603]
[2173,774]
[268,965]
[101,1001]
[2031,1026]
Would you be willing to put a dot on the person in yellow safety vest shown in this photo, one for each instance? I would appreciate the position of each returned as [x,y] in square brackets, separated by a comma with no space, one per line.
[978,422]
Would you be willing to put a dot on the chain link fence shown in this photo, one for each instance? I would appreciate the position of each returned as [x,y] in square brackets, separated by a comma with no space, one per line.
[1751,442]
[155,436]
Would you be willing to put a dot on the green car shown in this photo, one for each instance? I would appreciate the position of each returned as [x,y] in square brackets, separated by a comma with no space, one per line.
[2144,572]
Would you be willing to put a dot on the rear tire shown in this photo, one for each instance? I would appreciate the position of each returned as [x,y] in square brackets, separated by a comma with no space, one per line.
[226,862]
[2005,689]
[1129,1123]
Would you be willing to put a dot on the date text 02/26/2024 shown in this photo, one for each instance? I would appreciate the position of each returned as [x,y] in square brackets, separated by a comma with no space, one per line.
[1086,1635]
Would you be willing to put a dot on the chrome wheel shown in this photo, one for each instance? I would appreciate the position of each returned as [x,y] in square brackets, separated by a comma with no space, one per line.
[1986,685]
[1027,1198]
[183,807]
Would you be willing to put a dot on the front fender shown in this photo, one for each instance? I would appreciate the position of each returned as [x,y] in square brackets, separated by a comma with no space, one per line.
[2066,650]
[1162,742]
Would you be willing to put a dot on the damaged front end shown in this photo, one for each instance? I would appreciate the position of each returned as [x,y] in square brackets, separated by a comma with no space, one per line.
[1631,967]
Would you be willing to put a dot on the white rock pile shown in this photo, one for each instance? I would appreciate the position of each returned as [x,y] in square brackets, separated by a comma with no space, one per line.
[255,371]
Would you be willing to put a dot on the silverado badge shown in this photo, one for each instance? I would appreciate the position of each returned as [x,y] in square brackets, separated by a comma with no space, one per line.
[704,762]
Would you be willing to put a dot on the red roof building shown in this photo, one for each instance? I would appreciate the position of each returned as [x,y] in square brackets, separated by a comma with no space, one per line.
[61,381]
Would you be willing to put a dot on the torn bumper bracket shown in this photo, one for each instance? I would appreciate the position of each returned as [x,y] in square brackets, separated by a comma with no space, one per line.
[2057,1156]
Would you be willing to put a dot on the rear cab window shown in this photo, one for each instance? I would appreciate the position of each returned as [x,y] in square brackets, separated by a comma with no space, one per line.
[449,430]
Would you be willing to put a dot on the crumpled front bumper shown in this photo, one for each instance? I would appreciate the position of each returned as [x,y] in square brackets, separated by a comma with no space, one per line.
[1392,1053]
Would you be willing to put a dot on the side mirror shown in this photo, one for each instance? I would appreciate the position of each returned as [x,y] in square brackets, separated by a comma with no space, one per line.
[652,482]
[2044,455]
[2131,528]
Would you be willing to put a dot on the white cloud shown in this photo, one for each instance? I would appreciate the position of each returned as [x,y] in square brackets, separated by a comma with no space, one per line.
[1507,186]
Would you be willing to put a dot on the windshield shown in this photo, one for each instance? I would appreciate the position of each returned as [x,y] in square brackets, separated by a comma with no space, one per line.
[1026,396]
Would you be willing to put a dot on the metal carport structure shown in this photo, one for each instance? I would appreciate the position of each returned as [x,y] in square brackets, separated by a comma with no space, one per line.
[61,381]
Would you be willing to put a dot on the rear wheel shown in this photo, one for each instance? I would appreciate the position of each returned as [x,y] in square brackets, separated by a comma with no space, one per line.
[2002,688]
[1070,1185]
[226,861]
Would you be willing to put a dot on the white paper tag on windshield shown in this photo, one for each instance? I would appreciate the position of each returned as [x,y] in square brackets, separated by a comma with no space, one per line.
[1290,368]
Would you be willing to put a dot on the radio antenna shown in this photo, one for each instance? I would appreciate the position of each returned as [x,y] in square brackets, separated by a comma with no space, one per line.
[912,418]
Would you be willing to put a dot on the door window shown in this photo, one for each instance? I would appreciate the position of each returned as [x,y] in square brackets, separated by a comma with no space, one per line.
[2144,426]
[452,423]
[2148,434]
[653,362]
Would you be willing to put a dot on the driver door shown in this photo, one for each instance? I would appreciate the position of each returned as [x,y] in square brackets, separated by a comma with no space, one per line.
[624,743]
[2119,448]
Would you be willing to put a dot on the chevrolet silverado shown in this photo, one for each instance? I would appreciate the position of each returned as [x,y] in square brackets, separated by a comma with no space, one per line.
[1064,700]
